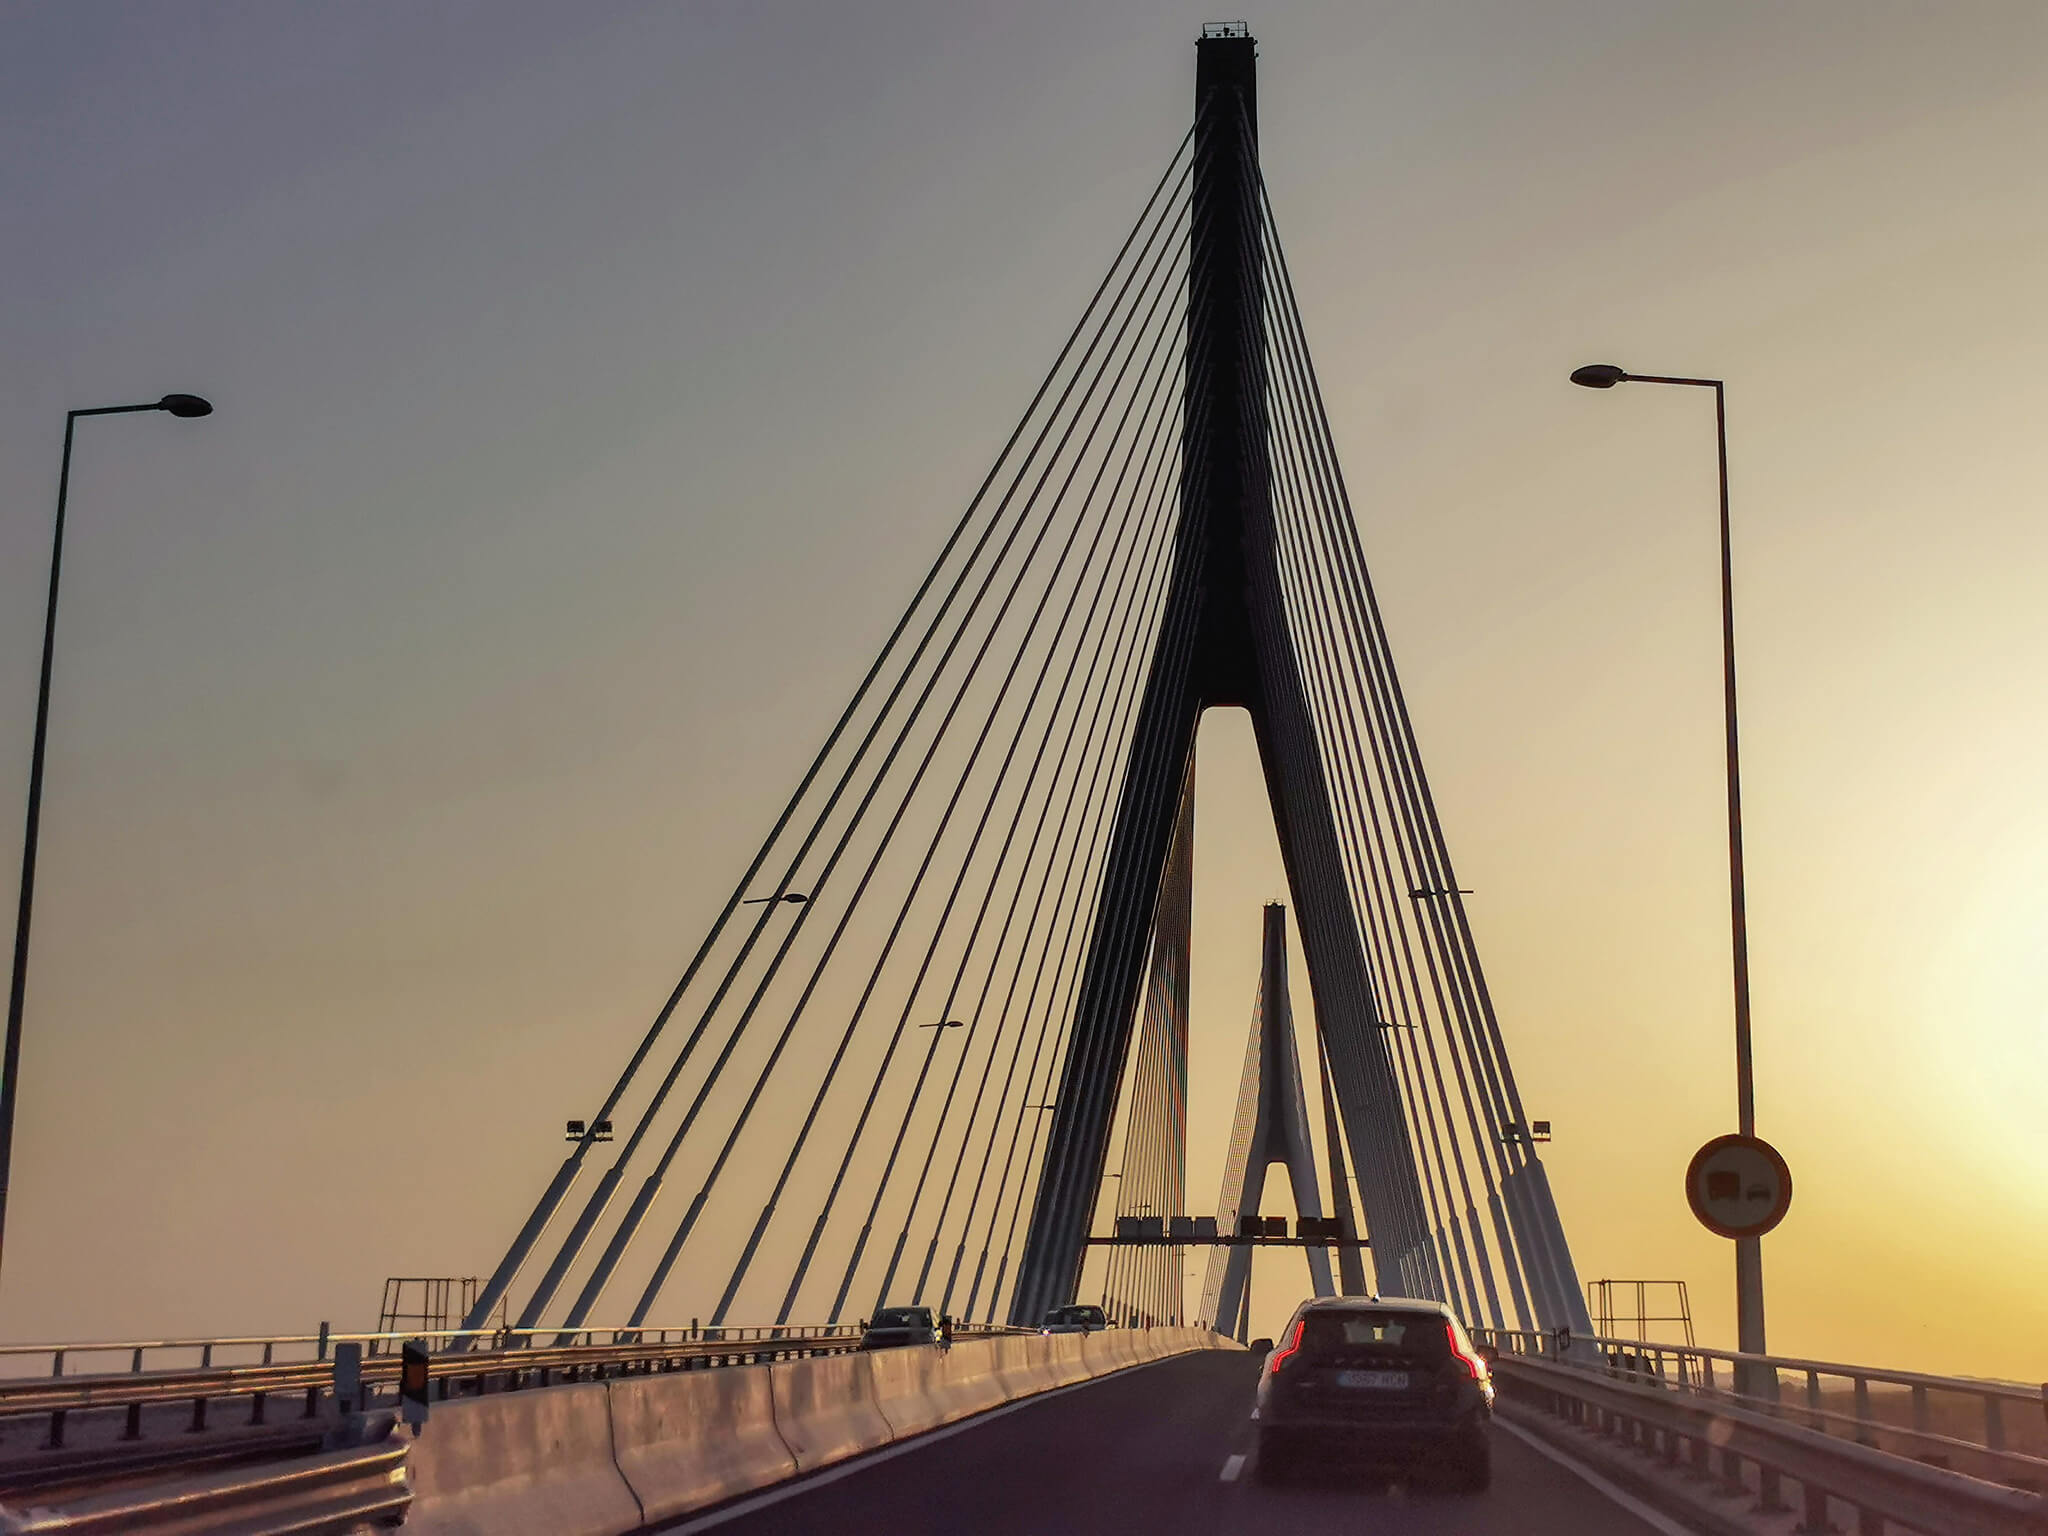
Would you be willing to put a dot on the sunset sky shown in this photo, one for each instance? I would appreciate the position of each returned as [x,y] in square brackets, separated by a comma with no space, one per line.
[596,381]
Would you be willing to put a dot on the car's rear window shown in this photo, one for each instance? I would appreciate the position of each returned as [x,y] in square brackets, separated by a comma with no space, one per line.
[1349,1334]
[1090,1315]
[903,1317]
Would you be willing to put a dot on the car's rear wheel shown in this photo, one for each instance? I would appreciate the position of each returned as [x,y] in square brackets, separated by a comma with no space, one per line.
[1275,1462]
[1472,1469]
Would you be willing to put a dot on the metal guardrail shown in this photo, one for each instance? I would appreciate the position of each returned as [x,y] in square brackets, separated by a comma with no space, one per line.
[509,1359]
[30,1360]
[1989,1410]
[331,1492]
[39,1360]
[1694,1429]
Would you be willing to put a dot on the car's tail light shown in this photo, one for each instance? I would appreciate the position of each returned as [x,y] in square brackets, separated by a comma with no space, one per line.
[1474,1365]
[1280,1357]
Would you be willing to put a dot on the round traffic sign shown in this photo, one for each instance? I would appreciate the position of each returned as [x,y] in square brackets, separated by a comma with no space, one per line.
[1738,1186]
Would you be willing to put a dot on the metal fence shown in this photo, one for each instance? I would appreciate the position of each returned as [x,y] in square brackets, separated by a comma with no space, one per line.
[1746,1447]
[1992,1429]
[93,1402]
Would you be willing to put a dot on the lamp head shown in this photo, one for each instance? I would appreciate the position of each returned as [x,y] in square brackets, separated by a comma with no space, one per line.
[187,406]
[1599,375]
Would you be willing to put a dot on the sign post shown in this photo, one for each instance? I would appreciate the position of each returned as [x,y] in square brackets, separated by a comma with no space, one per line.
[412,1384]
[1740,1188]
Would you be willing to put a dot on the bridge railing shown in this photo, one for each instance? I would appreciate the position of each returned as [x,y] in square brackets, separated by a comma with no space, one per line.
[138,1356]
[99,1398]
[1747,1447]
[1935,1419]
[143,1356]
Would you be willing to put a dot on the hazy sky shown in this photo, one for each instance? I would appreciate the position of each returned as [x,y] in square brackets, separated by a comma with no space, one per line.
[595,382]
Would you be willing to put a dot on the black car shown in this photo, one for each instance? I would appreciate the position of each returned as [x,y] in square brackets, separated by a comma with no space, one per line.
[1375,1381]
[894,1327]
[1075,1319]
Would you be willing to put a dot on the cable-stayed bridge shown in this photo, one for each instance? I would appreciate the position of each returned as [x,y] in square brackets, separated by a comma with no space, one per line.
[933,1050]
[961,950]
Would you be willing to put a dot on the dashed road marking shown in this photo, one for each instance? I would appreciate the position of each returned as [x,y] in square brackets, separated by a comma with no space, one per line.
[1655,1519]
[1231,1467]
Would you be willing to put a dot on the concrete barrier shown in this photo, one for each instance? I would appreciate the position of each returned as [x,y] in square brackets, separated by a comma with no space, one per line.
[1023,1364]
[1064,1363]
[536,1463]
[903,1389]
[965,1380]
[825,1408]
[607,1458]
[1111,1350]
[685,1439]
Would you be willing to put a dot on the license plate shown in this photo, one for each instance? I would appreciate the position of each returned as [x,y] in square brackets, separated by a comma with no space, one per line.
[1374,1381]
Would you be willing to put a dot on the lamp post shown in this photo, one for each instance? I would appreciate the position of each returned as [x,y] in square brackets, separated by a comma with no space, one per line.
[187,407]
[1749,1263]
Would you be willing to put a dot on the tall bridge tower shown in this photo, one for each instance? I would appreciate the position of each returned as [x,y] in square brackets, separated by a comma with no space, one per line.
[1226,589]
[1271,1126]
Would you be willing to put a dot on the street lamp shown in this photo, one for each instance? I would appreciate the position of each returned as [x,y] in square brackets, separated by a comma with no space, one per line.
[795,898]
[188,407]
[1749,1263]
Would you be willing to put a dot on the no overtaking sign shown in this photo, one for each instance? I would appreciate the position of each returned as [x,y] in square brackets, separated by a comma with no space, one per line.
[1738,1186]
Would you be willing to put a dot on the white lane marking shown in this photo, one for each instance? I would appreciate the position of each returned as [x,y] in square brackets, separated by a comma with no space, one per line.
[1663,1524]
[1231,1467]
[806,1482]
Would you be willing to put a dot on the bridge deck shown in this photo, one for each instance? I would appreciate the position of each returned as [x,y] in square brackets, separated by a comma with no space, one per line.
[1148,1451]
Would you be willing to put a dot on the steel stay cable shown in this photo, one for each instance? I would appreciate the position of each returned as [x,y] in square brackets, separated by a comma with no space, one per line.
[1321,930]
[1434,951]
[1136,1195]
[1308,567]
[1161,1092]
[1371,891]
[1091,1073]
[1190,548]
[1380,1155]
[558,1189]
[1134,1191]
[945,824]
[1104,750]
[967,1137]
[668,1260]
[1029,862]
[1096,814]
[861,1241]
[988,809]
[1171,662]
[1157,452]
[1537,1259]
[579,1233]
[1160,486]
[1023,646]
[1001,862]
[1089,1076]
[1373,901]
[1346,720]
[1399,730]
[1088,895]
[1168,641]
[1303,370]
[1367,893]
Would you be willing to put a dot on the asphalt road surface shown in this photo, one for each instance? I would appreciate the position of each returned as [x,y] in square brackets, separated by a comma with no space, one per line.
[1163,1448]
